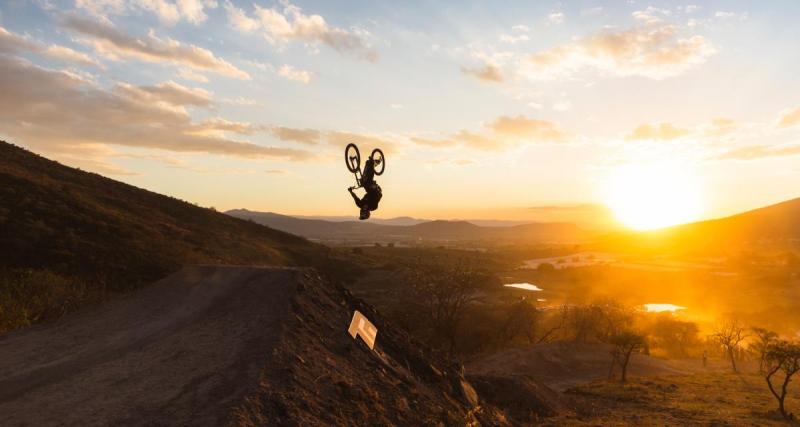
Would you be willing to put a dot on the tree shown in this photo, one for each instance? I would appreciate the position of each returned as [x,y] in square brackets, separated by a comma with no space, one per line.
[763,339]
[782,356]
[673,335]
[444,289]
[625,344]
[523,318]
[729,335]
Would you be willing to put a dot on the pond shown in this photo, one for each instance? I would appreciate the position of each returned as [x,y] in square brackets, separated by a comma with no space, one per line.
[658,308]
[525,286]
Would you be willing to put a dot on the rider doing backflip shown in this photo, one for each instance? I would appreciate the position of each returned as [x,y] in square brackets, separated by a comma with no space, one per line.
[370,200]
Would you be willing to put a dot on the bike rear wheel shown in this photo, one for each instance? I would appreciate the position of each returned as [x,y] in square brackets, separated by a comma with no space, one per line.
[380,161]
[352,158]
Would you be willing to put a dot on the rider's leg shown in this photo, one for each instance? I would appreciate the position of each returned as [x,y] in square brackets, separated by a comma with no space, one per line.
[368,177]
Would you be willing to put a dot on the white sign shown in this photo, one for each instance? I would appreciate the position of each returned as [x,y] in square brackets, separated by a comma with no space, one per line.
[363,327]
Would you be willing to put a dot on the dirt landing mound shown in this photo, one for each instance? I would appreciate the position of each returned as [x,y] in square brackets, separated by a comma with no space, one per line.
[224,345]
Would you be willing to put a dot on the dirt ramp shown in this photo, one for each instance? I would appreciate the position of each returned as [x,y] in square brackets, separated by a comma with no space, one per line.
[225,345]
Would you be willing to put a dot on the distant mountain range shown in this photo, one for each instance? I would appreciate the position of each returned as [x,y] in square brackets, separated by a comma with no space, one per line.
[407,230]
[407,220]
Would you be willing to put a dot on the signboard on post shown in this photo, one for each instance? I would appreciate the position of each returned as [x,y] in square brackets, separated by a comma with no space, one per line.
[364,328]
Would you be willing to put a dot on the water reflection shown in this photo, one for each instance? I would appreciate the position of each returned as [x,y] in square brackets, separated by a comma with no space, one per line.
[526,286]
[658,308]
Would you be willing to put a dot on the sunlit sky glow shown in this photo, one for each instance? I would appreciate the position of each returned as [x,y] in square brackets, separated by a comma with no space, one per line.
[485,110]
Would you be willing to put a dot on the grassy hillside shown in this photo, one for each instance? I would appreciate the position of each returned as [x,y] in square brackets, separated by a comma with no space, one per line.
[68,237]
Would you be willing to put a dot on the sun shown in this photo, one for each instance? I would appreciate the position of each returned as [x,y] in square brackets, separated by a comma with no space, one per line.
[651,196]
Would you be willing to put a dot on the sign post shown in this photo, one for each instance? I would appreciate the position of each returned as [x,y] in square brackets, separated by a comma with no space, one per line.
[364,328]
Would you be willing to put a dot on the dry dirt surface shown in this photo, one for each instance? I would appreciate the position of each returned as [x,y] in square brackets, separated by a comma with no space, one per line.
[214,345]
[562,365]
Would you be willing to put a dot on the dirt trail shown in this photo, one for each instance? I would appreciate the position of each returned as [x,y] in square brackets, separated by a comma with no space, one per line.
[183,348]
[217,345]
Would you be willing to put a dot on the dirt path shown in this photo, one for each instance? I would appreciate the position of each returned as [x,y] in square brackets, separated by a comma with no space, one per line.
[182,351]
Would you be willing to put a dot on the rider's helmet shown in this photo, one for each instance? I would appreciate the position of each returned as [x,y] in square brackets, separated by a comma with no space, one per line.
[364,213]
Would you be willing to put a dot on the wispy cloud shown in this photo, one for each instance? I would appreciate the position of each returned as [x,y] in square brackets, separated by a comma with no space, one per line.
[114,44]
[661,131]
[14,43]
[504,132]
[54,110]
[291,73]
[760,152]
[291,24]
[488,73]
[790,117]
[168,12]
[656,51]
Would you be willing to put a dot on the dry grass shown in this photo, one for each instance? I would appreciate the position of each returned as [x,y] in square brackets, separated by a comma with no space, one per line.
[712,399]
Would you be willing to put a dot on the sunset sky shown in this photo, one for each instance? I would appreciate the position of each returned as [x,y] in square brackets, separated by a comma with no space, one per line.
[664,112]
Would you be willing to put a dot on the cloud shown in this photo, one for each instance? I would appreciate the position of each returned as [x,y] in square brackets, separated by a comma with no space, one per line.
[759,152]
[511,39]
[343,138]
[789,118]
[555,18]
[169,92]
[488,73]
[291,73]
[56,111]
[291,24]
[654,51]
[504,132]
[168,12]
[523,127]
[189,74]
[661,132]
[305,136]
[12,44]
[434,142]
[114,44]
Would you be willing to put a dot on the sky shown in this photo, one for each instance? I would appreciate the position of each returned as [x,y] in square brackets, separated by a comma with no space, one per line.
[504,110]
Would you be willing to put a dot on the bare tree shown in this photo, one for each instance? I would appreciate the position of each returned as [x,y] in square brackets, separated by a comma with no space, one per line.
[523,319]
[763,339]
[782,356]
[556,323]
[625,344]
[444,290]
[729,335]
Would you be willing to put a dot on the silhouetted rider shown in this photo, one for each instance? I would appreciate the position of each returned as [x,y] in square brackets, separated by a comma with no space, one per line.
[370,200]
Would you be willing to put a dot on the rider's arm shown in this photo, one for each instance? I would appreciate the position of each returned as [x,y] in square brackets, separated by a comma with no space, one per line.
[355,198]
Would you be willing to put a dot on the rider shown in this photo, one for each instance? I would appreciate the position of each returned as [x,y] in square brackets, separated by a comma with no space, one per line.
[370,200]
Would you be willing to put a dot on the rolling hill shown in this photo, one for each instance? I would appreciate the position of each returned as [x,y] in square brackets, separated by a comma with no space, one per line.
[429,231]
[774,227]
[68,237]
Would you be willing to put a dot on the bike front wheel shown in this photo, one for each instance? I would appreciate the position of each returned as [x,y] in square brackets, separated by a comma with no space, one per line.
[352,158]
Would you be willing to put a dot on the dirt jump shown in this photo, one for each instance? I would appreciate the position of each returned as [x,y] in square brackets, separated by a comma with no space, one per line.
[214,345]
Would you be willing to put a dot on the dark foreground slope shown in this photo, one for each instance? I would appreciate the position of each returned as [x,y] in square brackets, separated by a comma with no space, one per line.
[224,345]
[68,236]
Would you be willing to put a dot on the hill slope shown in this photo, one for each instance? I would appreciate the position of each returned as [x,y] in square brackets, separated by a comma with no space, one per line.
[68,236]
[225,345]
[430,231]
[772,227]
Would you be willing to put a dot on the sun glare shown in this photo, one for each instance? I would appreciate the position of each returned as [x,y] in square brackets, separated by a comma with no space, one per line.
[651,196]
